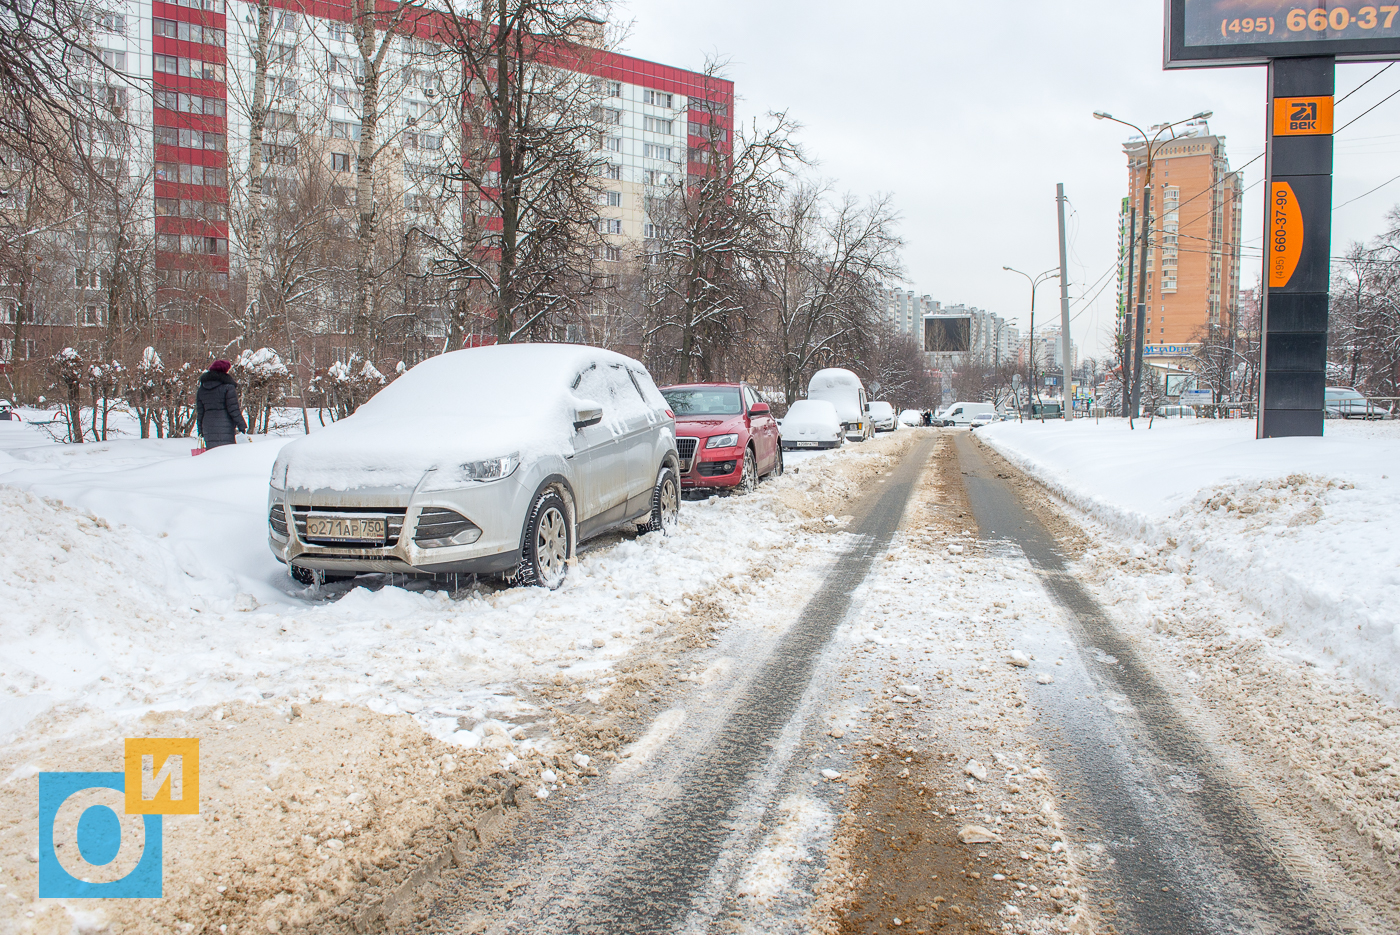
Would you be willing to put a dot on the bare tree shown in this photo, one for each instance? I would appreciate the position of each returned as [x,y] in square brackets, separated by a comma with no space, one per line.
[822,278]
[535,126]
[1365,345]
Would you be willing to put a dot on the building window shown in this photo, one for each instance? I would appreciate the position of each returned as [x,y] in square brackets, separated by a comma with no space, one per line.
[340,162]
[90,316]
[609,226]
[657,98]
[613,144]
[658,125]
[612,253]
[611,199]
[614,89]
[614,171]
[338,32]
[340,130]
[608,116]
[710,107]
[652,151]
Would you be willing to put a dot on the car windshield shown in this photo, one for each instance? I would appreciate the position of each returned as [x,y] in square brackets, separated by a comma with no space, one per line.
[1344,394]
[704,400]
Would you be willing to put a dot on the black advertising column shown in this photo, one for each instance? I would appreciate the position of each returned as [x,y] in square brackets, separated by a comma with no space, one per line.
[1298,228]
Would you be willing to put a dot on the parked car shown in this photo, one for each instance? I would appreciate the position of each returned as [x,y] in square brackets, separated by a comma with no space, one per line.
[1176,412]
[981,419]
[962,413]
[882,417]
[1341,402]
[492,459]
[844,390]
[1046,410]
[812,423]
[725,436]
[912,417]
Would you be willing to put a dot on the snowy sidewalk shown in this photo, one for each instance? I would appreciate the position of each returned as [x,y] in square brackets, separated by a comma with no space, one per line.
[1304,529]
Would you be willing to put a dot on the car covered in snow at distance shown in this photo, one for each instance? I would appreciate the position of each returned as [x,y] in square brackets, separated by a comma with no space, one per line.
[882,416]
[812,423]
[843,389]
[494,459]
[912,417]
[725,435]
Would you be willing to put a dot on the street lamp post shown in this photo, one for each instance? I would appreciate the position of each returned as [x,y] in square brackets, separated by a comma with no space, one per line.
[1035,281]
[1150,146]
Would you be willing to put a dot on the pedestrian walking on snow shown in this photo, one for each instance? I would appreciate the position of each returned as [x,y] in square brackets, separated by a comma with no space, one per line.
[216,407]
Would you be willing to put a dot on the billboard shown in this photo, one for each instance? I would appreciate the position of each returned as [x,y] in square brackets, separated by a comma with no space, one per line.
[948,334]
[1250,32]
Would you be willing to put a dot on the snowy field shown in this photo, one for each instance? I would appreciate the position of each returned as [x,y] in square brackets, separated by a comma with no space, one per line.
[1303,529]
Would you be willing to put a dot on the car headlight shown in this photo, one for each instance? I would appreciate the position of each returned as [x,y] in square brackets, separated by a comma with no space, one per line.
[278,480]
[491,468]
[722,441]
[473,472]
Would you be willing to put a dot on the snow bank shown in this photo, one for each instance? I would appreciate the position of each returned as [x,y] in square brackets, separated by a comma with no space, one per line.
[1302,528]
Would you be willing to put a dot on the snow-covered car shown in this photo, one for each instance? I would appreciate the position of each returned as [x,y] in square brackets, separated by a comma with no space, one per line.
[812,423]
[981,419]
[882,417]
[1341,402]
[912,417]
[843,389]
[492,459]
[726,435]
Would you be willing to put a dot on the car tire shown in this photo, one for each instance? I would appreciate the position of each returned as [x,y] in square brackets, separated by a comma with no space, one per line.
[748,479]
[778,466]
[665,503]
[549,544]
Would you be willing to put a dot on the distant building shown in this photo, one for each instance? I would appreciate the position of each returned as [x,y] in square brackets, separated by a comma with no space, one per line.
[1193,260]
[904,310]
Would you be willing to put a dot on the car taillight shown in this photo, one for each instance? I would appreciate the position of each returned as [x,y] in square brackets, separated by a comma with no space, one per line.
[670,414]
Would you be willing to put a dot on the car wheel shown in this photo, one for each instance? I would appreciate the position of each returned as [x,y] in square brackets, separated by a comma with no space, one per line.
[665,504]
[548,544]
[778,467]
[306,576]
[748,480]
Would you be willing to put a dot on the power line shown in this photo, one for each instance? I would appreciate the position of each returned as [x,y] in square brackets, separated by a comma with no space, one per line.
[1366,111]
[1371,192]
[1366,82]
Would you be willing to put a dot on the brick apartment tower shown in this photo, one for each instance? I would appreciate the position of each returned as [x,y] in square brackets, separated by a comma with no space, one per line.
[1193,261]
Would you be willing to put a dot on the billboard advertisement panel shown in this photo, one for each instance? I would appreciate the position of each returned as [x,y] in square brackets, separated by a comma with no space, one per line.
[948,334]
[1250,32]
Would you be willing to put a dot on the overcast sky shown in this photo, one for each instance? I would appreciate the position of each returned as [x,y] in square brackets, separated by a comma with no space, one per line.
[969,113]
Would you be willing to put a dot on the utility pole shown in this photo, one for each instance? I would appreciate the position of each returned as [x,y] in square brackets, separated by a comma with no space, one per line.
[1126,357]
[1066,401]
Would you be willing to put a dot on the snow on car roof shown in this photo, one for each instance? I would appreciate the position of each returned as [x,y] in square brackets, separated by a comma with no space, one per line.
[466,405]
[834,376]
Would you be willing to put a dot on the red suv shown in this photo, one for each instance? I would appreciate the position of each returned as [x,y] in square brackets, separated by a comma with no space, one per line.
[724,435]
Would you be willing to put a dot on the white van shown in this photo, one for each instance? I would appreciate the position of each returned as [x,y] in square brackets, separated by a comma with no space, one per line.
[844,390]
[963,413]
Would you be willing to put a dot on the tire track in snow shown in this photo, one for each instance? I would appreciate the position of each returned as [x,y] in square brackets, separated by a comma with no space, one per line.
[1178,850]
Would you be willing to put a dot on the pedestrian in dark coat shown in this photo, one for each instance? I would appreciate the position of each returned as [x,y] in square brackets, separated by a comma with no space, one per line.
[216,407]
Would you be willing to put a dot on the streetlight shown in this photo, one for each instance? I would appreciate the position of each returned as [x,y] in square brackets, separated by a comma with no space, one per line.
[1035,281]
[1150,144]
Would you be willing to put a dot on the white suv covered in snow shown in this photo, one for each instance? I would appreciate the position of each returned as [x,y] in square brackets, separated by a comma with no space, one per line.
[493,459]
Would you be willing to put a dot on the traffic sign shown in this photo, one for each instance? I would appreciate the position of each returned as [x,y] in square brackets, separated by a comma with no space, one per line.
[1197,398]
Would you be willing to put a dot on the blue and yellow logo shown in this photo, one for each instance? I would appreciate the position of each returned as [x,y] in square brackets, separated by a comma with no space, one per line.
[100,833]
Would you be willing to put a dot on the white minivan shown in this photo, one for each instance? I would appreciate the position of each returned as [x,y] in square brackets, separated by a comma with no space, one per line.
[963,413]
[844,390]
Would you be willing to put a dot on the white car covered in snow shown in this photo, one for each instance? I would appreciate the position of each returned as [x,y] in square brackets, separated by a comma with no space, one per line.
[882,417]
[493,459]
[811,423]
[912,417]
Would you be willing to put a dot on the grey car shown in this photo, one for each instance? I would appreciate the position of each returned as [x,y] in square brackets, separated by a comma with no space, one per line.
[488,460]
[1341,402]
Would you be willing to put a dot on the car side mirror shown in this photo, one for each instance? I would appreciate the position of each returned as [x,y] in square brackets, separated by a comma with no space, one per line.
[759,409]
[586,415]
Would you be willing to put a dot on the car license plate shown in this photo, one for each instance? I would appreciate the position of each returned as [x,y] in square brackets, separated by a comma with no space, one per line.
[685,467]
[345,528]
[803,444]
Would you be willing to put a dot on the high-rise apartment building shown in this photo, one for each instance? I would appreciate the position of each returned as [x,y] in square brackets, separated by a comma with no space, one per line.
[1193,259]
[191,72]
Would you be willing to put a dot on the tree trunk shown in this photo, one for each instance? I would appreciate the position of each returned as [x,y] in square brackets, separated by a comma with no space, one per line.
[257,122]
[362,326]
